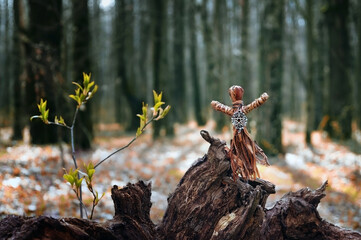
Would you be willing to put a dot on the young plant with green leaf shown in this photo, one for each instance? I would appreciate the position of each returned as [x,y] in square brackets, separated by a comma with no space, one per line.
[157,114]
[82,94]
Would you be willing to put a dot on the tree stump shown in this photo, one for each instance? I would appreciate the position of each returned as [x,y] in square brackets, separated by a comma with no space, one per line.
[207,204]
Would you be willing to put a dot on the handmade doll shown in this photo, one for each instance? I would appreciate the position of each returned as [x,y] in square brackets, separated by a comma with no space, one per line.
[244,152]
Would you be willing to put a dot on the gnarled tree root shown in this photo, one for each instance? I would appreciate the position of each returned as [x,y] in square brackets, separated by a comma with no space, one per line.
[207,204]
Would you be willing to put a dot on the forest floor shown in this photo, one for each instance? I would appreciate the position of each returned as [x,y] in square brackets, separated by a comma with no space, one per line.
[31,181]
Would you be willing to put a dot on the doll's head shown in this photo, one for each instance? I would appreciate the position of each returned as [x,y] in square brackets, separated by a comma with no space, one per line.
[236,93]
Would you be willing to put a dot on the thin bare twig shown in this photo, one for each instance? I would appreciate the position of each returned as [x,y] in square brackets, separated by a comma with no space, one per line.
[74,160]
[122,148]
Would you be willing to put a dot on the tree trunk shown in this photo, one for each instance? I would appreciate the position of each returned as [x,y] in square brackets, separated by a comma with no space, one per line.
[160,76]
[207,204]
[179,88]
[271,71]
[358,66]
[220,83]
[196,80]
[5,91]
[123,47]
[310,96]
[207,32]
[340,97]
[296,72]
[19,68]
[245,51]
[81,56]
[42,51]
[320,58]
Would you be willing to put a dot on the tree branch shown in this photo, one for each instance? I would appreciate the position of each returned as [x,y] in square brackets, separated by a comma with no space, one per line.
[124,147]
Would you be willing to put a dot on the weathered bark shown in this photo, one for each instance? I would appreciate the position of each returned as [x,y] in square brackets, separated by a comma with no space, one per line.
[131,221]
[132,212]
[207,204]
[295,216]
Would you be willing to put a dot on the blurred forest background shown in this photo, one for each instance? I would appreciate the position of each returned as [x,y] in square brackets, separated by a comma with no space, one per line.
[305,54]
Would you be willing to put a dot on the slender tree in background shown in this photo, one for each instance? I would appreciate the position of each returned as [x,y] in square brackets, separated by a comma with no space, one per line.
[358,66]
[19,68]
[123,48]
[296,74]
[160,76]
[339,101]
[210,57]
[42,51]
[178,53]
[219,87]
[5,101]
[271,69]
[310,86]
[96,33]
[1,50]
[198,91]
[145,43]
[320,55]
[81,56]
[245,54]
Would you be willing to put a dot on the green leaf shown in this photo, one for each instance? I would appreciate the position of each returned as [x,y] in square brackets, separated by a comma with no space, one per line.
[43,105]
[85,92]
[78,182]
[61,121]
[156,106]
[74,97]
[144,109]
[69,178]
[141,117]
[91,93]
[97,199]
[139,132]
[95,89]
[78,85]
[90,85]
[90,173]
[86,78]
[165,112]
[46,115]
[157,97]
[90,166]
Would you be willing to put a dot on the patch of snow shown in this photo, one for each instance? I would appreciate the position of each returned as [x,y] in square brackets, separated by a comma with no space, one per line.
[295,161]
[118,183]
[12,182]
[32,207]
